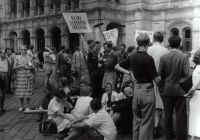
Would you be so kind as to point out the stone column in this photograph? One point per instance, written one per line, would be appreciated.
(33, 42)
(32, 7)
(65, 40)
(47, 40)
(19, 43)
(19, 9)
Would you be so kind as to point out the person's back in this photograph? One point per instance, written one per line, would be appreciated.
(82, 107)
(173, 65)
(157, 51)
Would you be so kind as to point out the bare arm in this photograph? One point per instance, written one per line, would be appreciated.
(120, 69)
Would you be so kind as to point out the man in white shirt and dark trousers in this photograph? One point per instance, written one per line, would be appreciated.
(156, 51)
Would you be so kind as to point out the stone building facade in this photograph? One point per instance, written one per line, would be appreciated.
(40, 22)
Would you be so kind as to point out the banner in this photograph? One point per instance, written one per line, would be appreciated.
(111, 35)
(77, 22)
(149, 33)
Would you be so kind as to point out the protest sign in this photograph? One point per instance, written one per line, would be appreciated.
(149, 33)
(111, 35)
(77, 22)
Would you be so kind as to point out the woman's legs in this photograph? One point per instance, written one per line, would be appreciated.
(28, 103)
(21, 104)
(192, 138)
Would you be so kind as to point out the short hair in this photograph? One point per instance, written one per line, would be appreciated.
(143, 40)
(124, 45)
(108, 83)
(158, 36)
(60, 94)
(64, 81)
(97, 42)
(130, 49)
(62, 47)
(109, 44)
(95, 104)
(31, 47)
(85, 90)
(196, 57)
(89, 42)
(174, 41)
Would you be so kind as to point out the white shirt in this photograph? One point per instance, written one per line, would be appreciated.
(82, 107)
(156, 51)
(4, 65)
(54, 107)
(103, 123)
(114, 97)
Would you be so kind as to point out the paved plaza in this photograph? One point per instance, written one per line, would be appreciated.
(15, 125)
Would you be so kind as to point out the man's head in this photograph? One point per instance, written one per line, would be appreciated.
(31, 47)
(97, 46)
(123, 47)
(95, 105)
(8, 51)
(143, 40)
(62, 48)
(158, 37)
(108, 46)
(2, 54)
(174, 41)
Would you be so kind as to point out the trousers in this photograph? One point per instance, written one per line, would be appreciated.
(179, 104)
(143, 111)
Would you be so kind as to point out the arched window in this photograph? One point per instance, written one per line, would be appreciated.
(187, 39)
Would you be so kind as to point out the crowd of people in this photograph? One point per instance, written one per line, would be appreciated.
(110, 91)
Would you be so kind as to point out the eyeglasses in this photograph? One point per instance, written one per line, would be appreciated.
(23, 49)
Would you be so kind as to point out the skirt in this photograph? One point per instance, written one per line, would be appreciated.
(24, 84)
(109, 76)
(194, 115)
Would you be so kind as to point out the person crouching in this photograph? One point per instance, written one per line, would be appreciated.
(56, 111)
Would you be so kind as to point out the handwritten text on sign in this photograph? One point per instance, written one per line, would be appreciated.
(149, 33)
(77, 22)
(111, 35)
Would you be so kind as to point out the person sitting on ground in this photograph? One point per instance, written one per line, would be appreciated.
(56, 111)
(82, 107)
(109, 96)
(98, 125)
(124, 108)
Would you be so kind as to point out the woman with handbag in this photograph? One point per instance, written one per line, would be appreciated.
(24, 78)
(194, 93)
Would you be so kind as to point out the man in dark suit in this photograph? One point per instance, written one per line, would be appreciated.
(173, 67)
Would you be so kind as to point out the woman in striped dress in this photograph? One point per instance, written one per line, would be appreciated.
(24, 78)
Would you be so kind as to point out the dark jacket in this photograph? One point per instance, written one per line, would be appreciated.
(173, 67)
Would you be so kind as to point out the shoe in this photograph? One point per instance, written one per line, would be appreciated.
(27, 109)
(21, 109)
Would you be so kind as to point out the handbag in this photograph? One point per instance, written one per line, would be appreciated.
(186, 83)
(47, 127)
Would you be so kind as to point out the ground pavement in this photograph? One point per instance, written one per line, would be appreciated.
(15, 125)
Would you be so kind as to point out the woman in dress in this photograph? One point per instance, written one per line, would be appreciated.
(24, 78)
(194, 93)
